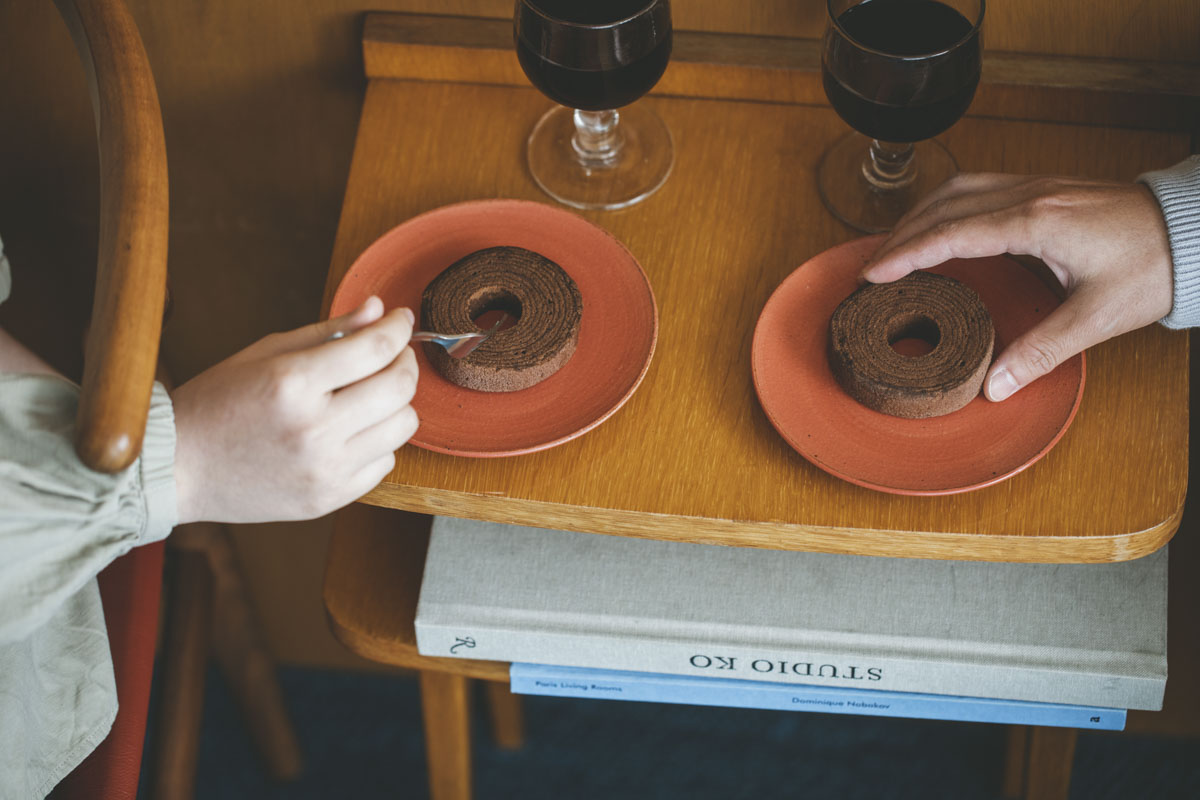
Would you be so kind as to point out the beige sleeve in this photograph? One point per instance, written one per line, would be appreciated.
(60, 522)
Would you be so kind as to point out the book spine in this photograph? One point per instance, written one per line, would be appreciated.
(538, 679)
(927, 676)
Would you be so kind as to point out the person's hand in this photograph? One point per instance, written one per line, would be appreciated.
(296, 426)
(1106, 243)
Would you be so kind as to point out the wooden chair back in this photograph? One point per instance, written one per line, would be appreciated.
(131, 273)
(121, 356)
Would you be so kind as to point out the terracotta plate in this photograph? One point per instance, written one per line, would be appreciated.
(979, 445)
(616, 338)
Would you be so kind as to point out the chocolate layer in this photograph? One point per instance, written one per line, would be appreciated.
(939, 310)
(528, 286)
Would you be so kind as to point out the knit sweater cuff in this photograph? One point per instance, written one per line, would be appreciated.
(1177, 190)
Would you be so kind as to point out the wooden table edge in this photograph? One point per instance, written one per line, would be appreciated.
(782, 536)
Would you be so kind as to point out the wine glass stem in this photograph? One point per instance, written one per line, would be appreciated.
(889, 165)
(597, 140)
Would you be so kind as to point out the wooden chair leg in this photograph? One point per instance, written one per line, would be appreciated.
(507, 715)
(1051, 755)
(243, 658)
(446, 707)
(1016, 754)
(185, 655)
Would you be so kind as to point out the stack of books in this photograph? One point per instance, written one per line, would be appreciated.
(584, 615)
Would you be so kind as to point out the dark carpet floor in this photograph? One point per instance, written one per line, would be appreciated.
(361, 736)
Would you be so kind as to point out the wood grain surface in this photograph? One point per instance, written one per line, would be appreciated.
(692, 457)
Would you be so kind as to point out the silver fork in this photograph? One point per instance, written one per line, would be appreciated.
(458, 345)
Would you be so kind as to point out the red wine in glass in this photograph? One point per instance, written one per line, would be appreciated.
(593, 69)
(899, 72)
(594, 57)
(914, 95)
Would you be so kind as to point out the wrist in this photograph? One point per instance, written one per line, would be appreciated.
(187, 468)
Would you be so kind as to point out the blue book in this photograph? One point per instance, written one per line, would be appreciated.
(648, 687)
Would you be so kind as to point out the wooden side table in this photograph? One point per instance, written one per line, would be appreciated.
(692, 457)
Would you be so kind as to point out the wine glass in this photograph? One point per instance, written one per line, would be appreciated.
(594, 57)
(899, 72)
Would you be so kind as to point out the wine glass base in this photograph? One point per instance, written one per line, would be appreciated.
(646, 157)
(862, 205)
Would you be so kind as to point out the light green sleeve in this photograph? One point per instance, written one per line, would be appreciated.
(60, 522)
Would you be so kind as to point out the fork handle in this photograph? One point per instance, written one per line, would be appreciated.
(427, 336)
(430, 336)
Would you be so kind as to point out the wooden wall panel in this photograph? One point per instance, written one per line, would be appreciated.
(1154, 30)
(1159, 30)
(1162, 30)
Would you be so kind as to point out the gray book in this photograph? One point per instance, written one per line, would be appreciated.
(1092, 634)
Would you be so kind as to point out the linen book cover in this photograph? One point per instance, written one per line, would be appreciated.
(1086, 634)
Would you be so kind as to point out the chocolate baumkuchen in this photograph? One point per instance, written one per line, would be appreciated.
(941, 311)
(532, 289)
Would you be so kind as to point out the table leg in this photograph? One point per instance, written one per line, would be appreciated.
(508, 718)
(1048, 772)
(1016, 757)
(446, 707)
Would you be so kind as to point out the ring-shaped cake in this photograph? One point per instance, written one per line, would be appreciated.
(530, 288)
(940, 311)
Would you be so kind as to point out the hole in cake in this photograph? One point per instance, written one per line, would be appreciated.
(913, 335)
(488, 307)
